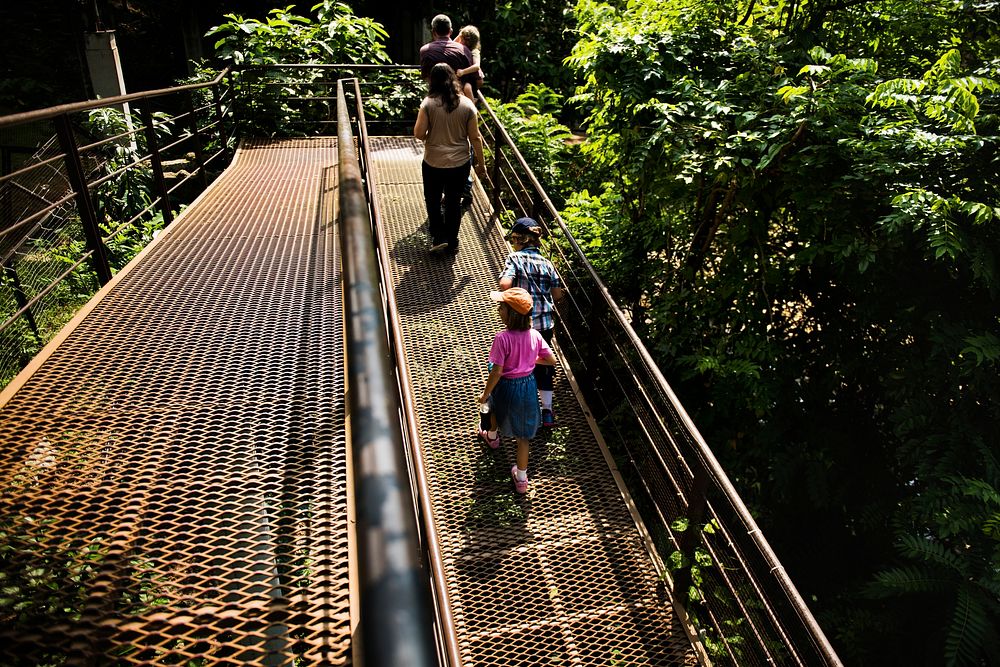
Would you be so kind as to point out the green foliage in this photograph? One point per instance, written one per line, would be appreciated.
(719, 641)
(128, 195)
(334, 36)
(798, 206)
(525, 42)
(545, 143)
(945, 575)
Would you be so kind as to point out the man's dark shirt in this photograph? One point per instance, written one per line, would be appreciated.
(446, 50)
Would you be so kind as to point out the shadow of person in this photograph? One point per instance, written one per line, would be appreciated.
(496, 517)
(426, 281)
(410, 249)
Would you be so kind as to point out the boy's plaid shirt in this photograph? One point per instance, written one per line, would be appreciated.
(528, 269)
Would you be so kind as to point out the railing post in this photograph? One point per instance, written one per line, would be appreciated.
(153, 146)
(84, 204)
(220, 121)
(497, 146)
(22, 299)
(196, 136)
(689, 540)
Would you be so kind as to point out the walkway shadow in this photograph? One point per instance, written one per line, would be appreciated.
(496, 518)
(426, 281)
(409, 249)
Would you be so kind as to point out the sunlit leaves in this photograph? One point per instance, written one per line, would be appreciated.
(812, 191)
(947, 100)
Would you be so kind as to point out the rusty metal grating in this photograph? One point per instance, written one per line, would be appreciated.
(562, 576)
(173, 474)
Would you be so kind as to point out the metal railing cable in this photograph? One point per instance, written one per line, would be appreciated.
(393, 597)
(705, 470)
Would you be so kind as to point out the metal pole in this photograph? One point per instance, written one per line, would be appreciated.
(196, 136)
(697, 503)
(396, 616)
(432, 544)
(159, 182)
(220, 121)
(74, 169)
(497, 146)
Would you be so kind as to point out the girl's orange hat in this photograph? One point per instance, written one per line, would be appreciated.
(515, 297)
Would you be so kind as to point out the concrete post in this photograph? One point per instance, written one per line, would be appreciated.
(105, 69)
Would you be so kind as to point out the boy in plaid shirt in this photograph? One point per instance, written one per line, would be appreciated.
(527, 268)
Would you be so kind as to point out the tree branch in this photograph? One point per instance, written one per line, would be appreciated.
(746, 17)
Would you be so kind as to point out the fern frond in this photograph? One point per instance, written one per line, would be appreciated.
(931, 552)
(909, 579)
(967, 632)
(896, 91)
(993, 588)
(978, 488)
(949, 63)
(992, 526)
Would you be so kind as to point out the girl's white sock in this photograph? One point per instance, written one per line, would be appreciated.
(521, 475)
(492, 435)
(546, 396)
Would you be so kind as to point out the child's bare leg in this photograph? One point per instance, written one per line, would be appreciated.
(522, 453)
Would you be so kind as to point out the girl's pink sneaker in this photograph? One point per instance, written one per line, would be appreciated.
(519, 486)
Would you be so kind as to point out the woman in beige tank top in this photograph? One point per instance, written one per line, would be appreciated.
(447, 123)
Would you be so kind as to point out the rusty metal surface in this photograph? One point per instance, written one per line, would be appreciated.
(562, 576)
(173, 474)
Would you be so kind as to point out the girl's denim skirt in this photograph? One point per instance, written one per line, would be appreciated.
(514, 401)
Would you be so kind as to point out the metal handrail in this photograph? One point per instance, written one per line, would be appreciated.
(432, 543)
(393, 598)
(73, 107)
(707, 459)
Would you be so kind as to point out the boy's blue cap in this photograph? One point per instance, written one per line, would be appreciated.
(526, 226)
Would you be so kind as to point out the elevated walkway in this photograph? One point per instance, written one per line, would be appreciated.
(178, 452)
(562, 576)
(206, 466)
(173, 480)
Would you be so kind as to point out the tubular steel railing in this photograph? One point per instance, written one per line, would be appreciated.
(394, 601)
(448, 641)
(730, 583)
(75, 202)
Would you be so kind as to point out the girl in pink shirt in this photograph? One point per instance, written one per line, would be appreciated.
(510, 389)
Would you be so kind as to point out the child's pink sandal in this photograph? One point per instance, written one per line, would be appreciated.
(519, 485)
(494, 443)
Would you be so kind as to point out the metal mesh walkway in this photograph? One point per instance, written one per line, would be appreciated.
(562, 576)
(172, 473)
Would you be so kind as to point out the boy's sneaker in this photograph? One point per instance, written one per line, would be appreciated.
(494, 443)
(548, 417)
(519, 486)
